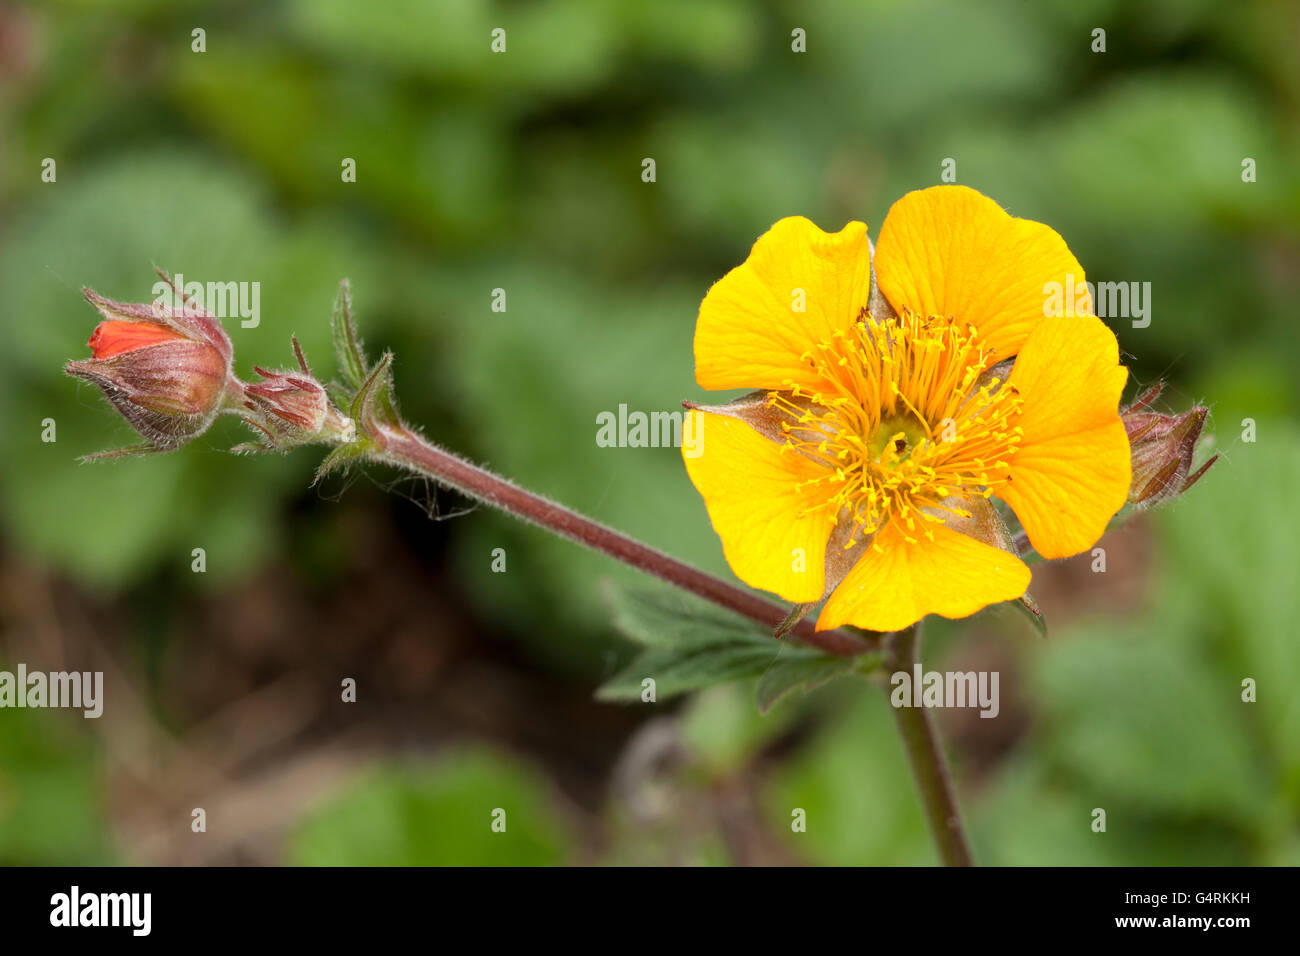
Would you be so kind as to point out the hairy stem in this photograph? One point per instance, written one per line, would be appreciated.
(924, 752)
(405, 448)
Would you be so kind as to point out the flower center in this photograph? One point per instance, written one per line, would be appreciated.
(906, 420)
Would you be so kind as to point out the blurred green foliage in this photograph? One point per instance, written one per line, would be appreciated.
(471, 808)
(52, 807)
(521, 171)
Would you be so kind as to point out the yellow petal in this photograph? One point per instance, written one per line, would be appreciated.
(894, 587)
(1072, 470)
(750, 488)
(950, 251)
(750, 332)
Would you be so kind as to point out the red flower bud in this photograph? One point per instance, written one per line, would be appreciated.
(1163, 447)
(166, 371)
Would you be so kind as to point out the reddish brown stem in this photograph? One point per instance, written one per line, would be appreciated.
(407, 449)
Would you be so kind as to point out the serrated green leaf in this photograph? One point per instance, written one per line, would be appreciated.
(692, 645)
(347, 344)
(681, 669)
(798, 674)
(664, 618)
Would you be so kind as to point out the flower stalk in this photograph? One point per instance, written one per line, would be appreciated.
(406, 448)
(925, 754)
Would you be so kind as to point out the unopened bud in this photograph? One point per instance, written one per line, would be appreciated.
(166, 371)
(1163, 447)
(292, 408)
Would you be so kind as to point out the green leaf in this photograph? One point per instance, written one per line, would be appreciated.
(801, 674)
(679, 670)
(347, 345)
(373, 391)
(667, 618)
(339, 457)
(691, 645)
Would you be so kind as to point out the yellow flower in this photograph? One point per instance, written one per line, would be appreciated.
(890, 411)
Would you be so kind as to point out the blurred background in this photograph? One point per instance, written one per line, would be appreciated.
(522, 171)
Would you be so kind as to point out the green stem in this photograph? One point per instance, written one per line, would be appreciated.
(925, 754)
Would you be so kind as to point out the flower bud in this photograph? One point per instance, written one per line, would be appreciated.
(1163, 447)
(166, 371)
(292, 408)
